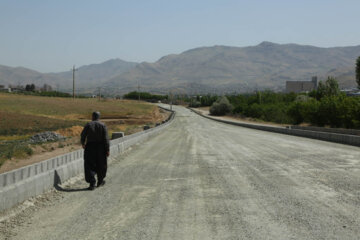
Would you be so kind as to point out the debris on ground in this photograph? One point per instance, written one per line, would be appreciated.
(46, 137)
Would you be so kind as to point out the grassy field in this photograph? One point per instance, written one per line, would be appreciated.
(69, 109)
(23, 116)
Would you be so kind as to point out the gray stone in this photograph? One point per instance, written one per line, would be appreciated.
(116, 135)
(46, 137)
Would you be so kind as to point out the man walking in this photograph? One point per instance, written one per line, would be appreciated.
(95, 141)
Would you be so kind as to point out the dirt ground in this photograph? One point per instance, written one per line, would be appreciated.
(42, 152)
(128, 125)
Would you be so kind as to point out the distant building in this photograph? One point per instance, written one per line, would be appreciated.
(301, 86)
(46, 88)
(5, 90)
(351, 92)
(16, 89)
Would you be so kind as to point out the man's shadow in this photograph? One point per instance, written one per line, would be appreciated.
(57, 182)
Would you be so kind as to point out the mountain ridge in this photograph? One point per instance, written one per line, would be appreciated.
(227, 68)
(211, 69)
(87, 77)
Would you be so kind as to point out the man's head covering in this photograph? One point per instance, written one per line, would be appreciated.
(95, 116)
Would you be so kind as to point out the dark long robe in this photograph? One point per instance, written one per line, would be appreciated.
(95, 138)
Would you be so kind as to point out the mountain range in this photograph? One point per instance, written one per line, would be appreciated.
(87, 78)
(206, 70)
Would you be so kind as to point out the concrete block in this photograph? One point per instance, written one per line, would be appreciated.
(43, 166)
(10, 178)
(53, 163)
(116, 135)
(37, 168)
(2, 180)
(17, 175)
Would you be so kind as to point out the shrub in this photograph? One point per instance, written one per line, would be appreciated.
(207, 100)
(340, 111)
(240, 108)
(275, 113)
(304, 111)
(254, 110)
(221, 107)
(194, 104)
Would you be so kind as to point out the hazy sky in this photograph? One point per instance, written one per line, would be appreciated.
(50, 35)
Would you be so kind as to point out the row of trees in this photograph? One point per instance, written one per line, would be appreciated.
(145, 96)
(30, 88)
(326, 106)
(357, 72)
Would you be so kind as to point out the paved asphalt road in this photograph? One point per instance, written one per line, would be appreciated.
(201, 179)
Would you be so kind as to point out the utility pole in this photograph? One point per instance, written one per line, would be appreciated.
(99, 94)
(73, 70)
(171, 100)
(139, 90)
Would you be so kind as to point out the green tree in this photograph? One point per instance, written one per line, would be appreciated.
(358, 72)
(332, 87)
(329, 88)
(207, 100)
(305, 111)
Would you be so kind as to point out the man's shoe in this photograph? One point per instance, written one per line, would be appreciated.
(91, 187)
(102, 183)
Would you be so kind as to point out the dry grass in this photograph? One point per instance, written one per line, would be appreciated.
(22, 116)
(69, 109)
(12, 123)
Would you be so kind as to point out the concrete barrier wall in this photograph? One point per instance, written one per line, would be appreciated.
(23, 183)
(331, 130)
(325, 136)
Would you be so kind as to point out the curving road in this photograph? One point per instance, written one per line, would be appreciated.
(201, 179)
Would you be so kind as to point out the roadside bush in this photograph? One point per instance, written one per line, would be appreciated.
(333, 111)
(340, 111)
(326, 106)
(254, 111)
(207, 100)
(221, 107)
(194, 104)
(275, 113)
(304, 111)
(240, 109)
